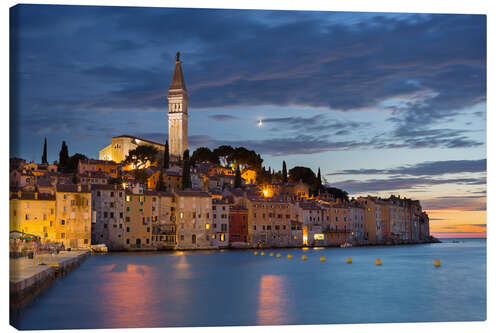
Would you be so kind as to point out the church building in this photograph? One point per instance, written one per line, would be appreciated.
(177, 97)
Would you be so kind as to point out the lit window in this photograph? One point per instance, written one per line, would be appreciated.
(207, 226)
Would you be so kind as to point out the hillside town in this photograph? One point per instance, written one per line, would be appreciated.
(145, 195)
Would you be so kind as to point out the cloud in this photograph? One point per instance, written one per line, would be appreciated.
(223, 117)
(313, 124)
(354, 186)
(430, 168)
(422, 70)
(465, 203)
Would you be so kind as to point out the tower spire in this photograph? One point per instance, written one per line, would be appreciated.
(178, 85)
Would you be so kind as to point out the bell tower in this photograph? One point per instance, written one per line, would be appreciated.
(177, 113)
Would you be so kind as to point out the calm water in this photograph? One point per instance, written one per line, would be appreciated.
(239, 288)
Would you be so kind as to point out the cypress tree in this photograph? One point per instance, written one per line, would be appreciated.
(186, 175)
(161, 185)
(63, 156)
(318, 181)
(166, 156)
(44, 155)
(284, 173)
(237, 179)
(185, 156)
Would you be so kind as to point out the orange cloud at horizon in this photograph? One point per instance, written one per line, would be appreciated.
(446, 223)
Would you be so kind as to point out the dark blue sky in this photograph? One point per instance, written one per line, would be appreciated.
(364, 96)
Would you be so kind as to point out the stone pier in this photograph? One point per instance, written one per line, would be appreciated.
(28, 277)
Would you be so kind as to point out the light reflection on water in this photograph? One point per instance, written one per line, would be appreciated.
(272, 300)
(238, 288)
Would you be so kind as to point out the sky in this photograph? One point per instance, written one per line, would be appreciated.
(383, 103)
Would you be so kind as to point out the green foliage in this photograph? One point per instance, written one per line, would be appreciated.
(284, 173)
(263, 176)
(224, 153)
(161, 184)
(246, 159)
(72, 163)
(140, 156)
(204, 154)
(166, 156)
(302, 173)
(63, 156)
(237, 179)
(185, 156)
(141, 176)
(337, 193)
(115, 181)
(44, 155)
(186, 175)
(74, 179)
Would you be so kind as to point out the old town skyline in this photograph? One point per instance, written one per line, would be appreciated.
(434, 148)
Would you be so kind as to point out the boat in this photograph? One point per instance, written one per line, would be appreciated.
(346, 244)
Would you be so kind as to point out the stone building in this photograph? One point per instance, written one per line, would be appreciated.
(193, 219)
(357, 223)
(108, 223)
(164, 229)
(269, 222)
(314, 223)
(220, 223)
(141, 211)
(238, 225)
(33, 213)
(73, 215)
(120, 146)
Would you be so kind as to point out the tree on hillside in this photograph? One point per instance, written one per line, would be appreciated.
(302, 173)
(166, 156)
(63, 156)
(141, 176)
(185, 156)
(161, 184)
(319, 185)
(284, 173)
(141, 156)
(44, 154)
(337, 193)
(204, 154)
(237, 178)
(186, 175)
(72, 164)
(224, 154)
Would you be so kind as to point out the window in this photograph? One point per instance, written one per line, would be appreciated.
(112, 194)
(128, 241)
(128, 229)
(111, 214)
(128, 209)
(254, 227)
(63, 223)
(105, 215)
(85, 241)
(207, 226)
(268, 227)
(121, 215)
(98, 194)
(277, 227)
(182, 237)
(127, 219)
(62, 235)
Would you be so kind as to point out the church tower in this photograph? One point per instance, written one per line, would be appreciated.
(177, 113)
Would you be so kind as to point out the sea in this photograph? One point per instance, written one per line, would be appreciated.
(238, 287)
